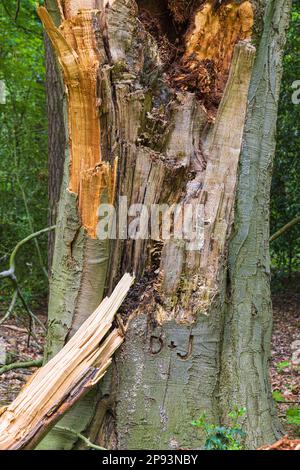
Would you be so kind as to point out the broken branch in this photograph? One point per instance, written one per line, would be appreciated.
(11, 307)
(80, 436)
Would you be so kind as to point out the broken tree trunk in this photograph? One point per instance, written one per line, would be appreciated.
(69, 375)
(183, 95)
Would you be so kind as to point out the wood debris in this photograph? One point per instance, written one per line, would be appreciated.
(54, 388)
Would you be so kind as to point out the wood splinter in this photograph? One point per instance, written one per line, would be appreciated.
(89, 177)
(54, 388)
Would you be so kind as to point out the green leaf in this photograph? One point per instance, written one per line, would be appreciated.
(214, 443)
(277, 396)
(280, 366)
(293, 416)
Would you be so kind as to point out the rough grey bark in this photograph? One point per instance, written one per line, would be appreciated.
(56, 138)
(202, 341)
(248, 324)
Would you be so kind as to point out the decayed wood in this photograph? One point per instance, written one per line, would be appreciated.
(54, 388)
(213, 35)
(214, 188)
(191, 165)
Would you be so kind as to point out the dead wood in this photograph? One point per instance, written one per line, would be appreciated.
(54, 388)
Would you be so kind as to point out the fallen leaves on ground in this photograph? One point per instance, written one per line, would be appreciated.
(283, 444)
(14, 342)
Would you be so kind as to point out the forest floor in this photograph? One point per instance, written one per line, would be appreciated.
(14, 347)
(284, 376)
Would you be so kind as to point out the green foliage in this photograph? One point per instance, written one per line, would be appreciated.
(278, 397)
(221, 437)
(293, 416)
(23, 143)
(282, 366)
(285, 198)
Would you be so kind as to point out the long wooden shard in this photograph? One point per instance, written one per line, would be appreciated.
(54, 388)
(78, 56)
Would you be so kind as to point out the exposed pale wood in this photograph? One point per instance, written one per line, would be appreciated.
(53, 389)
(71, 7)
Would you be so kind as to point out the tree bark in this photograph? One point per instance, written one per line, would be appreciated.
(194, 126)
(56, 134)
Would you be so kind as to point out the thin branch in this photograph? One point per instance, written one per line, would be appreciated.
(37, 246)
(32, 316)
(15, 328)
(284, 229)
(10, 273)
(17, 9)
(21, 365)
(11, 307)
(80, 436)
(22, 242)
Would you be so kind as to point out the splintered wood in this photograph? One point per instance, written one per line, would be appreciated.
(214, 34)
(97, 185)
(224, 146)
(214, 31)
(196, 274)
(54, 388)
(77, 53)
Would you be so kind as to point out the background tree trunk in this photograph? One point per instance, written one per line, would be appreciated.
(56, 130)
(199, 338)
(56, 140)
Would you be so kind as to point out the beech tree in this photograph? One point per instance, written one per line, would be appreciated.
(169, 102)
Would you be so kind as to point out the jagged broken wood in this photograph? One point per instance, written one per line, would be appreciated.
(54, 388)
